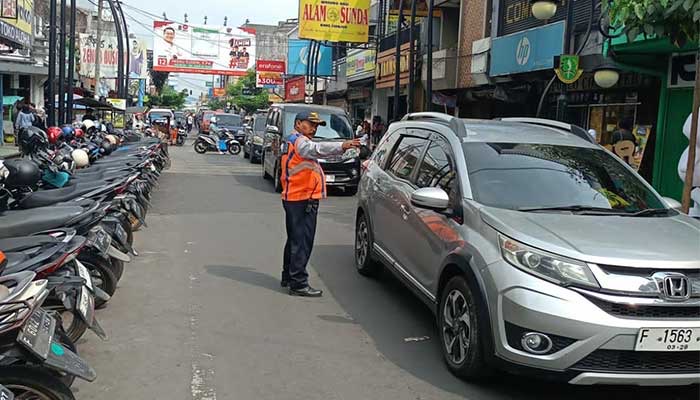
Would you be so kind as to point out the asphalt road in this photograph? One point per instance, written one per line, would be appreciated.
(199, 315)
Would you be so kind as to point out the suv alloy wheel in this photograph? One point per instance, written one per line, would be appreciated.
(364, 260)
(460, 331)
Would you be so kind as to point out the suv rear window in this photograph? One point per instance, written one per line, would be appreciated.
(518, 175)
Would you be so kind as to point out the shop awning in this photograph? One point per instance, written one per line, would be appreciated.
(10, 100)
(92, 103)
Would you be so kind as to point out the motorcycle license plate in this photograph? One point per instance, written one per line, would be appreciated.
(100, 240)
(121, 233)
(668, 339)
(5, 394)
(330, 178)
(37, 332)
(86, 305)
(85, 274)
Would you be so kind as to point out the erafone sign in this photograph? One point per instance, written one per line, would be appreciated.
(269, 73)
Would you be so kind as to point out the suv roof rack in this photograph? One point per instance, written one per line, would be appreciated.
(574, 129)
(454, 123)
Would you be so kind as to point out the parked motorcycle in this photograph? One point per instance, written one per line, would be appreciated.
(222, 140)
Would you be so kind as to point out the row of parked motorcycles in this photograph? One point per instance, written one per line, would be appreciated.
(68, 209)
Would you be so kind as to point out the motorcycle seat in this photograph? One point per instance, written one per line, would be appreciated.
(43, 198)
(22, 243)
(25, 222)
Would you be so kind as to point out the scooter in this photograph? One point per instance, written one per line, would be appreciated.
(222, 140)
(181, 136)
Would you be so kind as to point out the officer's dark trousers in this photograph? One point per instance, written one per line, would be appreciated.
(300, 218)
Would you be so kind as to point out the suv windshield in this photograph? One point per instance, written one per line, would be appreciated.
(337, 125)
(228, 120)
(531, 176)
(156, 115)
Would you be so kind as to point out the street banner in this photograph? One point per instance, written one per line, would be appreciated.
(294, 90)
(334, 20)
(16, 19)
(297, 57)
(202, 49)
(119, 104)
(219, 92)
(360, 64)
(269, 73)
(108, 59)
(138, 59)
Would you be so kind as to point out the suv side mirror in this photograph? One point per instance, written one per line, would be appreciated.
(672, 203)
(273, 130)
(431, 198)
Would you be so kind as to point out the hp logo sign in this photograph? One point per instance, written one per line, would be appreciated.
(522, 52)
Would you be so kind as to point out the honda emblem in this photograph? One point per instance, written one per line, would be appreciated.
(673, 286)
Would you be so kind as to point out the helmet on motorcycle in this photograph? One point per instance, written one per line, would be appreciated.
(79, 133)
(89, 125)
(112, 139)
(106, 147)
(67, 132)
(53, 134)
(32, 139)
(80, 158)
(21, 172)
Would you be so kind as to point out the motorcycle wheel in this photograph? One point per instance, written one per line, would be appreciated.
(72, 324)
(234, 149)
(34, 382)
(201, 147)
(102, 273)
(180, 140)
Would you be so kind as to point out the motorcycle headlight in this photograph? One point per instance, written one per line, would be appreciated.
(560, 270)
(258, 140)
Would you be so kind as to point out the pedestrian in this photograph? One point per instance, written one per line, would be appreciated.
(303, 185)
(624, 131)
(25, 118)
(377, 130)
(40, 118)
(190, 123)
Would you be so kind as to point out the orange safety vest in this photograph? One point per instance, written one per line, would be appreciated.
(302, 179)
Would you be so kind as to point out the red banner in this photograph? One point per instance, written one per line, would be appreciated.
(219, 92)
(270, 66)
(294, 90)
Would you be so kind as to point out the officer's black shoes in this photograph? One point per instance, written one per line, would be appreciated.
(306, 292)
(284, 283)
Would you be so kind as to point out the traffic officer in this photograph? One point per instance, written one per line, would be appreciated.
(303, 185)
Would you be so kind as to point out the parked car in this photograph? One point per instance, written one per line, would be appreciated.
(340, 171)
(206, 121)
(537, 249)
(160, 115)
(232, 123)
(254, 138)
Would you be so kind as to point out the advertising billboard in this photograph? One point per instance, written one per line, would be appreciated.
(294, 90)
(269, 73)
(202, 49)
(138, 59)
(360, 64)
(16, 18)
(108, 59)
(334, 20)
(298, 56)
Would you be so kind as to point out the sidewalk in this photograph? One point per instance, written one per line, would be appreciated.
(8, 151)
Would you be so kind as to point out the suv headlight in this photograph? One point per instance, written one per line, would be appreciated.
(351, 153)
(561, 270)
(257, 140)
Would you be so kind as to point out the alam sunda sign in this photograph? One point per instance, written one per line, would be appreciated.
(334, 20)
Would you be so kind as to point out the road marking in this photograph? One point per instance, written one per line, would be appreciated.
(202, 380)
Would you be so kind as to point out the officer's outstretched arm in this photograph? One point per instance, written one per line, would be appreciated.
(312, 150)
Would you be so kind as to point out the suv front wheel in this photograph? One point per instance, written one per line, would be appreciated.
(460, 331)
(364, 259)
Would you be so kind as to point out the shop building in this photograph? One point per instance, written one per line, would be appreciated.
(359, 74)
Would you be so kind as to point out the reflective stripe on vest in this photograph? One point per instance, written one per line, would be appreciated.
(302, 179)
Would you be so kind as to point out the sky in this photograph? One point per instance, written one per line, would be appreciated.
(237, 11)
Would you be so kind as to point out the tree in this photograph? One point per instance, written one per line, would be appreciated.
(249, 102)
(169, 98)
(679, 21)
(159, 78)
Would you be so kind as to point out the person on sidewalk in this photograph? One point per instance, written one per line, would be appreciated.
(303, 185)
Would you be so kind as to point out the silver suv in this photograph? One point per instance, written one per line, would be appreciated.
(535, 248)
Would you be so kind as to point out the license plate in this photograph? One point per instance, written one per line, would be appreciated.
(121, 233)
(100, 240)
(37, 332)
(85, 274)
(5, 394)
(86, 305)
(330, 178)
(668, 339)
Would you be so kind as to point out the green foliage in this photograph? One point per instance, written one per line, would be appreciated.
(679, 20)
(216, 104)
(169, 98)
(257, 100)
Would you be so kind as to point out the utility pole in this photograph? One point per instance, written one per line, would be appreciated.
(62, 67)
(98, 47)
(52, 63)
(71, 62)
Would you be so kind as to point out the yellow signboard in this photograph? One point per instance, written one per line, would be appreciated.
(334, 20)
(16, 18)
(359, 62)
